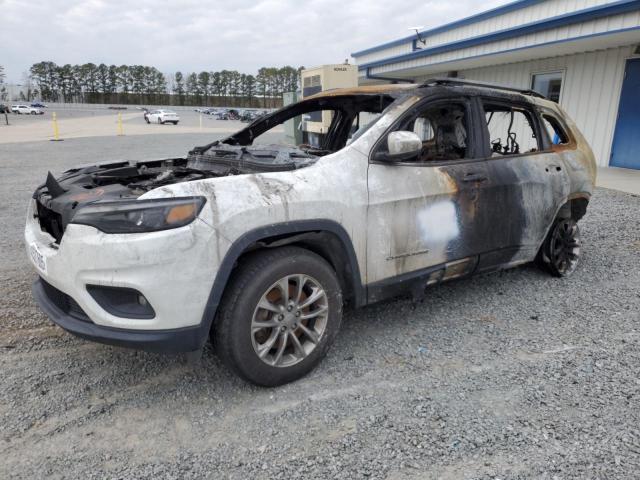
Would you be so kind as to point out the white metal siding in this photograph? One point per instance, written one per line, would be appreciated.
(386, 53)
(601, 25)
(540, 11)
(590, 89)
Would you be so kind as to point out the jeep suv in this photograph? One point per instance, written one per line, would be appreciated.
(257, 242)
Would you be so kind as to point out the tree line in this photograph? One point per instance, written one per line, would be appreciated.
(3, 89)
(144, 85)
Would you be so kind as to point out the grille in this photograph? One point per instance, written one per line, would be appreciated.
(50, 222)
(64, 302)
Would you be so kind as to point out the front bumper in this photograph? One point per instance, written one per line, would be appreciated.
(176, 340)
(173, 269)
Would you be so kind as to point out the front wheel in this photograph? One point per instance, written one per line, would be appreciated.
(160, 122)
(560, 252)
(279, 315)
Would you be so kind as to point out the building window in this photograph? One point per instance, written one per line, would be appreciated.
(548, 84)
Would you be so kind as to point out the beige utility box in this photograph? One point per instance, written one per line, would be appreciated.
(319, 79)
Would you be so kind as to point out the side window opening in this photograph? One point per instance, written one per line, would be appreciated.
(424, 129)
(511, 130)
(442, 128)
(557, 134)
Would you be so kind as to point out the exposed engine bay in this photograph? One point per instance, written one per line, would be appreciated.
(58, 199)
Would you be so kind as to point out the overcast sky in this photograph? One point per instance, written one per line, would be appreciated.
(196, 35)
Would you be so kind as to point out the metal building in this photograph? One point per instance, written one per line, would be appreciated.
(585, 54)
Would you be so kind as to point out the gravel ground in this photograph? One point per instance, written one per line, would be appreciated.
(509, 375)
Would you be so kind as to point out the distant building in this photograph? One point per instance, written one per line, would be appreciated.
(314, 80)
(584, 54)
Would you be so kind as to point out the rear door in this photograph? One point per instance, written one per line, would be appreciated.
(527, 183)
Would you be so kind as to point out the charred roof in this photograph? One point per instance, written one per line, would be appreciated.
(471, 87)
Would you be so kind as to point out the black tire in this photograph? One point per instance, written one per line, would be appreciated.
(175, 123)
(160, 122)
(255, 276)
(146, 120)
(560, 251)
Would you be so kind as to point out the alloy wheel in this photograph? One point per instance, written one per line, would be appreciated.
(565, 246)
(289, 320)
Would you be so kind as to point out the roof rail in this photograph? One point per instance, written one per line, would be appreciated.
(470, 83)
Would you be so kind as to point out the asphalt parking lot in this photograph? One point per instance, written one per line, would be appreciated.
(511, 375)
(61, 113)
(82, 122)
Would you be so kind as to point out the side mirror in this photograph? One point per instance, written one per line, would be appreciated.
(402, 146)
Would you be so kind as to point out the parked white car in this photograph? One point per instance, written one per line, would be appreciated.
(25, 109)
(162, 116)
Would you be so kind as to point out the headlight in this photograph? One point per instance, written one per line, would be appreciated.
(140, 215)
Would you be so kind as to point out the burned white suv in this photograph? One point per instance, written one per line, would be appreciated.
(258, 245)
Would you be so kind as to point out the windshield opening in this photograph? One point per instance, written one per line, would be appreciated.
(313, 127)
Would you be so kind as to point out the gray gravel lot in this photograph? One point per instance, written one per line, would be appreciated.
(509, 375)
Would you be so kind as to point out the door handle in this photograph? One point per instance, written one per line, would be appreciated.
(474, 177)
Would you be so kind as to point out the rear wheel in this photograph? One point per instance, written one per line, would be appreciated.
(279, 315)
(175, 123)
(560, 252)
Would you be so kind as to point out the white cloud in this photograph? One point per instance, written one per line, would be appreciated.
(194, 35)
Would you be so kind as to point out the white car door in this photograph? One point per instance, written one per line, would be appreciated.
(418, 220)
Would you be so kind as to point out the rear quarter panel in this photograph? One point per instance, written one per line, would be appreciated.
(578, 156)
